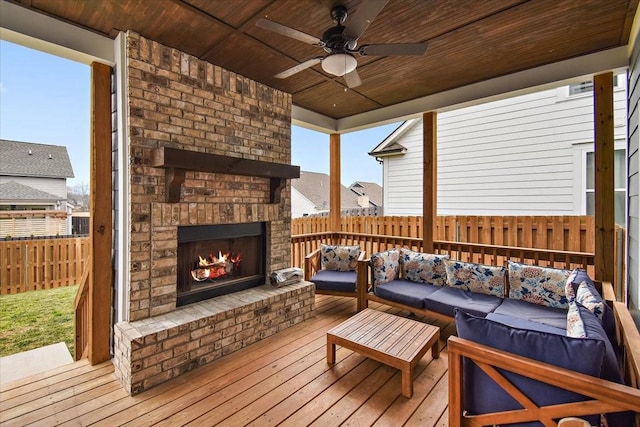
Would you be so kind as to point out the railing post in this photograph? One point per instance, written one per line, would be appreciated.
(429, 179)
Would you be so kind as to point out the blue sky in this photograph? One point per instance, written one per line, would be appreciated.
(45, 99)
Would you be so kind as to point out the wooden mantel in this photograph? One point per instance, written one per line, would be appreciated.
(178, 161)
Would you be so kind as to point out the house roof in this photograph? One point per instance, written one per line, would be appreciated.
(36, 160)
(508, 45)
(371, 189)
(14, 192)
(315, 187)
(389, 146)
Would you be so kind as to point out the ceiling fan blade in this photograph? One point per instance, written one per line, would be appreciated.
(296, 69)
(352, 79)
(362, 17)
(393, 49)
(288, 31)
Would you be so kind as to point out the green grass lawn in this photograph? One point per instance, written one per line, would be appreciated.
(34, 319)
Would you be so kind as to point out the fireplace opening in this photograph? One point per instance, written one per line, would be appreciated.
(218, 259)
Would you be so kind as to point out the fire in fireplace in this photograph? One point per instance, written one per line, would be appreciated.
(218, 259)
(216, 267)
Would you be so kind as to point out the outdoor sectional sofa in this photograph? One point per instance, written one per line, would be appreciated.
(546, 314)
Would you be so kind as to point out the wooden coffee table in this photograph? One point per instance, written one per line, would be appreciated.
(395, 341)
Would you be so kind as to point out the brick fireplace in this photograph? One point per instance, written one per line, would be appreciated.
(212, 149)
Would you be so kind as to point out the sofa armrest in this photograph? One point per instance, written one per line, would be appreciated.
(311, 264)
(608, 294)
(629, 338)
(607, 396)
(363, 283)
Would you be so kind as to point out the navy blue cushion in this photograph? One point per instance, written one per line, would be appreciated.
(578, 276)
(593, 329)
(517, 322)
(405, 292)
(446, 299)
(610, 367)
(482, 394)
(330, 280)
(556, 317)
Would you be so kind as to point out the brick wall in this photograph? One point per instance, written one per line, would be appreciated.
(148, 352)
(180, 101)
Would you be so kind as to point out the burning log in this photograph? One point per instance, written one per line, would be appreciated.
(213, 267)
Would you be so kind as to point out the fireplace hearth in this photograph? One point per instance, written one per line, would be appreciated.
(215, 260)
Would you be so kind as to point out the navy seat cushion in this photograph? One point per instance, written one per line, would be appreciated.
(446, 299)
(330, 280)
(482, 394)
(556, 317)
(517, 322)
(405, 292)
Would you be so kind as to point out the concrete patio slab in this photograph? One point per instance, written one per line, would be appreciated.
(27, 363)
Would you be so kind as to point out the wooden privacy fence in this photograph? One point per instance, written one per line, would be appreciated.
(35, 264)
(563, 233)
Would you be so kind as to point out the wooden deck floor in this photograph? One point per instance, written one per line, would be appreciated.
(282, 380)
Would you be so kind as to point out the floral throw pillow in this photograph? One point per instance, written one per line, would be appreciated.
(576, 277)
(339, 258)
(575, 325)
(423, 268)
(485, 279)
(385, 266)
(588, 297)
(538, 285)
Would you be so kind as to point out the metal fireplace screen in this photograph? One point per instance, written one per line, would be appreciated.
(214, 260)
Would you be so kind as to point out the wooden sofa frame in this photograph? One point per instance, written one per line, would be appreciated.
(606, 396)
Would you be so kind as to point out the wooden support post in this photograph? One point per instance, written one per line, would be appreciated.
(604, 178)
(334, 182)
(429, 180)
(100, 270)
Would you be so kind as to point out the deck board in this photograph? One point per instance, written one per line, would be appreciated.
(282, 380)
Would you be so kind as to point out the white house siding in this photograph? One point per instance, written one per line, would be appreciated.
(55, 186)
(518, 156)
(300, 205)
(633, 188)
(402, 178)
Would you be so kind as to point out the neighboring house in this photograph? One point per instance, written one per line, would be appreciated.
(369, 193)
(310, 194)
(526, 155)
(33, 177)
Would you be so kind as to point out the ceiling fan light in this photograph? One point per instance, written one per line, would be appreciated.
(339, 64)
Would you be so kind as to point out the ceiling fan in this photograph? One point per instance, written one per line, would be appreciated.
(341, 42)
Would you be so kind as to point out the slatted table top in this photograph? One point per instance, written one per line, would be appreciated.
(393, 335)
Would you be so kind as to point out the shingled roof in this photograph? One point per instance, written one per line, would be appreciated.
(315, 187)
(13, 192)
(371, 189)
(30, 159)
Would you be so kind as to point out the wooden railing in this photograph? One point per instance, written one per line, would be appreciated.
(557, 241)
(35, 264)
(81, 308)
(564, 233)
(470, 252)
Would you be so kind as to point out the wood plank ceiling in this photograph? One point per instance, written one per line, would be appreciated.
(469, 41)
